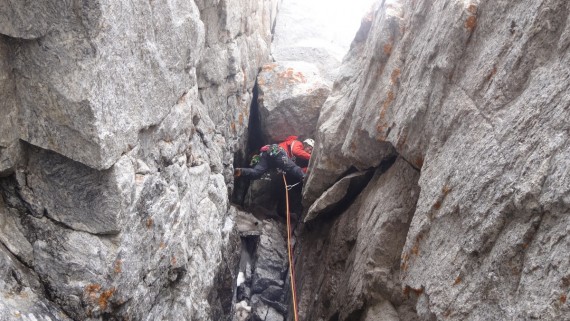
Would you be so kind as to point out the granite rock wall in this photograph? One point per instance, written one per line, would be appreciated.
(472, 95)
(120, 120)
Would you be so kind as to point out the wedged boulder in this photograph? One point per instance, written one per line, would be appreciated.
(337, 193)
(351, 262)
(290, 97)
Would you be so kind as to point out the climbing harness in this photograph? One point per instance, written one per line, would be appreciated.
(290, 251)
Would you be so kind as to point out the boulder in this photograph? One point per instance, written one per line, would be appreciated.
(290, 98)
(347, 186)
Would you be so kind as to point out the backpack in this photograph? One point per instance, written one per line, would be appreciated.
(273, 150)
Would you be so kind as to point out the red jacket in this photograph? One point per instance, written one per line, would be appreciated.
(293, 147)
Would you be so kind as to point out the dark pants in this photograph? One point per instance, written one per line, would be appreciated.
(267, 162)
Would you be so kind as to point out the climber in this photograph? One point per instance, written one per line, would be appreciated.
(298, 152)
(277, 156)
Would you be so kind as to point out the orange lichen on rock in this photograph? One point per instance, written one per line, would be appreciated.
(444, 191)
(457, 280)
(395, 75)
(419, 162)
(118, 266)
(492, 73)
(104, 298)
(92, 289)
(149, 223)
(471, 23)
(268, 67)
(353, 146)
(416, 247)
(292, 76)
(389, 99)
(388, 48)
(240, 118)
(382, 126)
(437, 205)
(408, 290)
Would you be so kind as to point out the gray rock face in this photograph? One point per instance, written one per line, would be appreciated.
(172, 214)
(23, 299)
(76, 195)
(290, 98)
(79, 87)
(351, 263)
(9, 145)
(472, 94)
(336, 194)
(115, 155)
(271, 258)
(263, 287)
(31, 19)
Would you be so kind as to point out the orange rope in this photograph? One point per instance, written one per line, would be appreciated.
(290, 252)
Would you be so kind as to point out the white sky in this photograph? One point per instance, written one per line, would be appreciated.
(341, 16)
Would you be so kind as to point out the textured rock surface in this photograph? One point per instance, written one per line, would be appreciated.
(351, 264)
(24, 298)
(340, 191)
(9, 145)
(80, 87)
(290, 98)
(262, 278)
(473, 94)
(116, 144)
(172, 214)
